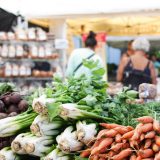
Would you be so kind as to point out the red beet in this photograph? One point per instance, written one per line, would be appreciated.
(12, 108)
(2, 106)
(15, 98)
(6, 100)
(23, 105)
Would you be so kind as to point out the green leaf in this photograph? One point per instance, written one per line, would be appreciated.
(90, 64)
(99, 72)
(54, 110)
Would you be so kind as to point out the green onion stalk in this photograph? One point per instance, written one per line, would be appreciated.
(56, 154)
(39, 104)
(39, 146)
(7, 154)
(68, 142)
(12, 125)
(86, 132)
(19, 142)
(73, 111)
(42, 126)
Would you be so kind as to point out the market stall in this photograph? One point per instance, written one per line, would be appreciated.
(63, 124)
(76, 118)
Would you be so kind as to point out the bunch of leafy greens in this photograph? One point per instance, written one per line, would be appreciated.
(126, 114)
(81, 90)
(89, 92)
(6, 87)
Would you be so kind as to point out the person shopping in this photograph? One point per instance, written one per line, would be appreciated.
(75, 64)
(137, 69)
(129, 51)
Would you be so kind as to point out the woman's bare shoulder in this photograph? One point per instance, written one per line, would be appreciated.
(125, 60)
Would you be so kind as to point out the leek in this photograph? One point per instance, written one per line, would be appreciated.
(73, 111)
(86, 132)
(68, 142)
(39, 104)
(39, 146)
(18, 143)
(7, 154)
(56, 154)
(41, 126)
(11, 125)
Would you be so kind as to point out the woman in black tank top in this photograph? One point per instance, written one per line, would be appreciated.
(134, 77)
(137, 68)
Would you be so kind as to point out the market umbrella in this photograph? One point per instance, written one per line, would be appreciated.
(6, 20)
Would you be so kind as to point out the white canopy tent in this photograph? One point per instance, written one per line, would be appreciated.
(74, 8)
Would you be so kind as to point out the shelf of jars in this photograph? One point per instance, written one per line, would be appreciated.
(21, 51)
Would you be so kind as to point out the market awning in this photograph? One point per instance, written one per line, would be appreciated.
(6, 20)
(74, 8)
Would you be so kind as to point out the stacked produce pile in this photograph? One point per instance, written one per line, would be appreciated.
(11, 104)
(119, 142)
(66, 116)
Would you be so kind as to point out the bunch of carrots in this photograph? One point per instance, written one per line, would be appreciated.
(117, 142)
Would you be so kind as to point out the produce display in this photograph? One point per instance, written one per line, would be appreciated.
(76, 119)
(11, 104)
(120, 142)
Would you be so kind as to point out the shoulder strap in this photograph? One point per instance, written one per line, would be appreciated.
(82, 63)
(148, 64)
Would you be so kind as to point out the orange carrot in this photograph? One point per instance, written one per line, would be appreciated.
(118, 138)
(111, 153)
(133, 144)
(147, 127)
(157, 140)
(148, 159)
(125, 145)
(155, 147)
(147, 153)
(101, 133)
(102, 155)
(139, 158)
(114, 143)
(104, 144)
(142, 137)
(157, 156)
(109, 134)
(123, 154)
(102, 158)
(96, 157)
(156, 126)
(150, 134)
(124, 140)
(145, 119)
(148, 143)
(94, 151)
(133, 157)
(97, 142)
(136, 135)
(128, 135)
(130, 128)
(109, 126)
(137, 132)
(85, 153)
(122, 129)
(117, 147)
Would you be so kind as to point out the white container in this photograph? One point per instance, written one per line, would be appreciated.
(8, 70)
(19, 51)
(15, 70)
(22, 70)
(12, 51)
(4, 52)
